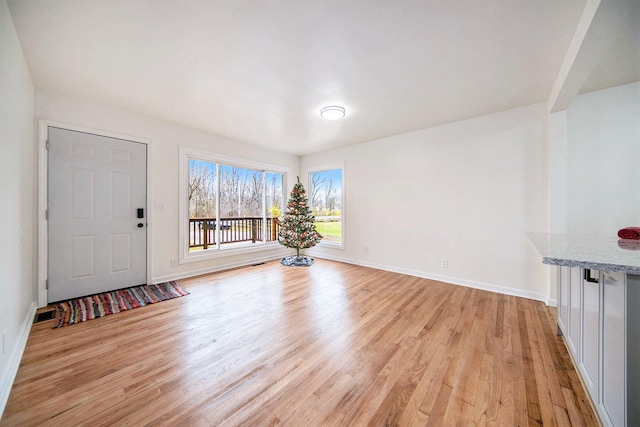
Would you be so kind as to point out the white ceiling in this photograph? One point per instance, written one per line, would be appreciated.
(259, 71)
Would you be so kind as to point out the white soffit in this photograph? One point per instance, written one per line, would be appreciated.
(604, 52)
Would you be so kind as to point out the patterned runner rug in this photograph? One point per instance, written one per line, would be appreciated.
(90, 307)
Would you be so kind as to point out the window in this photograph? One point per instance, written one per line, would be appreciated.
(227, 204)
(327, 202)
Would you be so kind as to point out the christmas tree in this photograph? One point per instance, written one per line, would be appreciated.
(298, 230)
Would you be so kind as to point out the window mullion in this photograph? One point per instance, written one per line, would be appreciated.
(217, 231)
(264, 206)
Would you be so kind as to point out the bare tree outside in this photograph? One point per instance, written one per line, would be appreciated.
(241, 192)
(202, 189)
(317, 183)
(326, 203)
(330, 197)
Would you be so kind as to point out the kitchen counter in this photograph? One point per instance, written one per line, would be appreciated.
(598, 315)
(592, 252)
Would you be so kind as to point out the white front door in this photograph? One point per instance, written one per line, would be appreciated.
(97, 210)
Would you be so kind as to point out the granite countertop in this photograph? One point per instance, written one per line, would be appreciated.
(594, 252)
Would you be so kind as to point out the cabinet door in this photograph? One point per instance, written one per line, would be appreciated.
(590, 362)
(563, 296)
(633, 349)
(613, 399)
(575, 299)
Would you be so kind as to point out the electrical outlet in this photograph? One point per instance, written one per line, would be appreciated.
(444, 263)
(174, 263)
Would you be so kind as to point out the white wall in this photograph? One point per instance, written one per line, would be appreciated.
(164, 141)
(466, 192)
(17, 214)
(603, 177)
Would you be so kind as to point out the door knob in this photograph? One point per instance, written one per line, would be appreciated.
(140, 225)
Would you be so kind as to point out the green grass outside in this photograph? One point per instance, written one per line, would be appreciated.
(331, 231)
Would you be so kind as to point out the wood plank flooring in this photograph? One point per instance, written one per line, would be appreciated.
(333, 345)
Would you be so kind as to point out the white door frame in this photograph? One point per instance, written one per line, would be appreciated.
(43, 177)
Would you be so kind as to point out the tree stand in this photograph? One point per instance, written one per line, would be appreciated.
(296, 261)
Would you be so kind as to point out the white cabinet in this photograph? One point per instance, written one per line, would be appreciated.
(563, 300)
(590, 355)
(570, 306)
(613, 346)
(621, 349)
(633, 349)
(599, 315)
(575, 302)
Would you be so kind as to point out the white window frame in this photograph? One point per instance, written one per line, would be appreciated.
(186, 153)
(321, 168)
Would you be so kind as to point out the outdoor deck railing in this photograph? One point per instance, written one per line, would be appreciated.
(202, 231)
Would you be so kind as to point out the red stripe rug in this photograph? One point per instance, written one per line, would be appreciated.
(93, 306)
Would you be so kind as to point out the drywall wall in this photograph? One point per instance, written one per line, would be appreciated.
(164, 141)
(17, 216)
(465, 192)
(603, 148)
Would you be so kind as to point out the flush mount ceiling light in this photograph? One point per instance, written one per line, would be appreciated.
(332, 112)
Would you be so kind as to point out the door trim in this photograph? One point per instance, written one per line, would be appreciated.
(43, 176)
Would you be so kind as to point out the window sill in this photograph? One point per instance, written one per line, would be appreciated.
(205, 255)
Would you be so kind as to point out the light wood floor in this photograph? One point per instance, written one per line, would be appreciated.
(332, 344)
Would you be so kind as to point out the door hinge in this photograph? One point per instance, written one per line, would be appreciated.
(46, 214)
(46, 284)
(47, 144)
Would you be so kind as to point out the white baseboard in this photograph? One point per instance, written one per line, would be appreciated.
(9, 374)
(453, 280)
